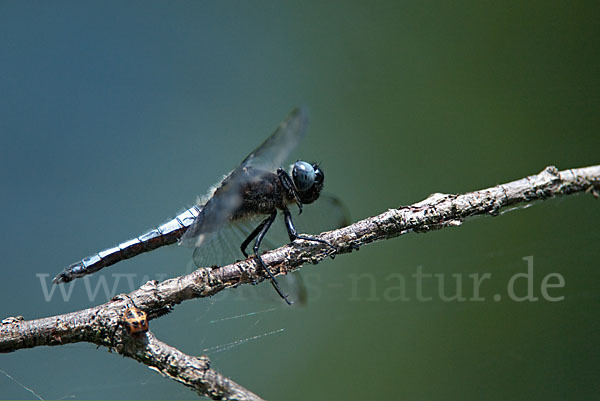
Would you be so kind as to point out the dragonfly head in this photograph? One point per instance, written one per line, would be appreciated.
(308, 180)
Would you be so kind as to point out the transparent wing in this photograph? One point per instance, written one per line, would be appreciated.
(274, 151)
(327, 213)
(223, 247)
(227, 198)
(217, 210)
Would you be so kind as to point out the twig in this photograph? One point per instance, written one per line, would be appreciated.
(194, 372)
(101, 324)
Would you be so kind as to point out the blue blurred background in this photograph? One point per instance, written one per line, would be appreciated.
(116, 115)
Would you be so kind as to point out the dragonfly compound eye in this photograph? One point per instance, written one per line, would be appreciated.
(303, 175)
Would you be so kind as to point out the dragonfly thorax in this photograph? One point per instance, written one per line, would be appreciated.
(263, 194)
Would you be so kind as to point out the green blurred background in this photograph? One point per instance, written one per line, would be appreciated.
(114, 116)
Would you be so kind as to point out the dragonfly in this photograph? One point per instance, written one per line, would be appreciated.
(258, 190)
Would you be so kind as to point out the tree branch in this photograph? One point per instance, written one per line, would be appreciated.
(102, 324)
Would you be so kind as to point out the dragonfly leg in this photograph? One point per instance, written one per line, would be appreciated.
(293, 234)
(253, 235)
(264, 227)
